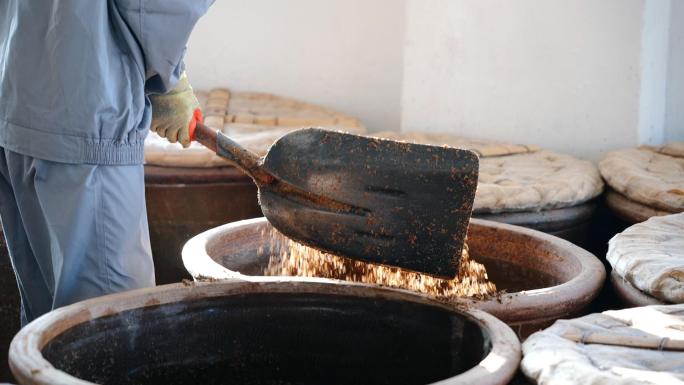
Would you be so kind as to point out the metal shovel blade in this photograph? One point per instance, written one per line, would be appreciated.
(380, 201)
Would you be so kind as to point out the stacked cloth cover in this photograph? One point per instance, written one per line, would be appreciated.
(650, 177)
(650, 257)
(520, 178)
(255, 120)
(558, 355)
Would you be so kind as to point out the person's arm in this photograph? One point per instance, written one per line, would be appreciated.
(161, 28)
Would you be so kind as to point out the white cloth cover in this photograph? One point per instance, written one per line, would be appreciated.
(650, 256)
(647, 176)
(537, 181)
(551, 359)
(673, 149)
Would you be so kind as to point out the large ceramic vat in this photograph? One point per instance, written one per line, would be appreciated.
(571, 223)
(545, 277)
(629, 211)
(265, 331)
(182, 202)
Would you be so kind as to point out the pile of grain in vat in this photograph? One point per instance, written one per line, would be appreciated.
(291, 259)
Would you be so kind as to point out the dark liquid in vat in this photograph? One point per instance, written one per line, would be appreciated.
(272, 339)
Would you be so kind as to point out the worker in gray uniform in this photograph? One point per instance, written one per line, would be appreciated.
(81, 83)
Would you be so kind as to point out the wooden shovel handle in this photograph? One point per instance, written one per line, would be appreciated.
(205, 135)
(640, 342)
(230, 150)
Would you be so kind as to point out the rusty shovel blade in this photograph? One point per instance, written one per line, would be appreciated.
(380, 201)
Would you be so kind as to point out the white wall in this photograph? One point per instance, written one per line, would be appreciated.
(655, 47)
(674, 123)
(562, 74)
(345, 54)
(577, 76)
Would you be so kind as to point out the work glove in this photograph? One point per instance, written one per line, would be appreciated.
(176, 113)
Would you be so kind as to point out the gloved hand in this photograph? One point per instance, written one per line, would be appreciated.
(176, 113)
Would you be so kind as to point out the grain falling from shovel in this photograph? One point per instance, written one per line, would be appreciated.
(291, 259)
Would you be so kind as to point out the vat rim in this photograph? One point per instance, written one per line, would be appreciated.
(583, 288)
(31, 368)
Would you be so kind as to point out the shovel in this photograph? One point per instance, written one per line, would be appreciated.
(380, 201)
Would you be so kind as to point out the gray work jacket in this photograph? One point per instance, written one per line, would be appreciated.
(75, 74)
